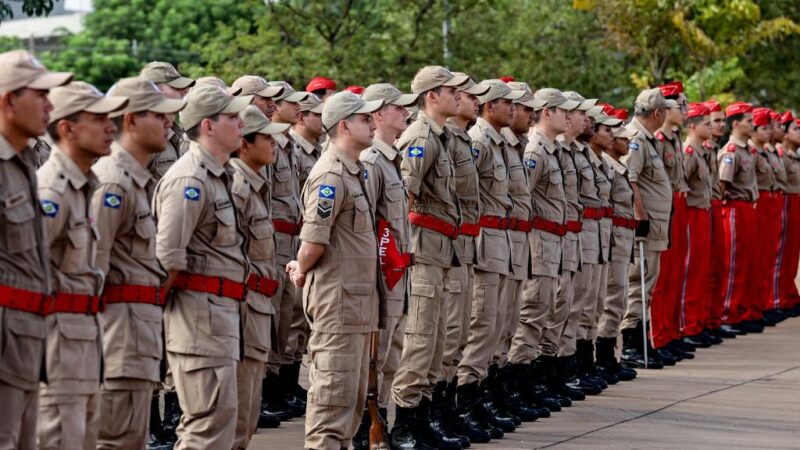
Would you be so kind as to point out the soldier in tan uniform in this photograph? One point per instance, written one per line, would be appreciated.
(652, 202)
(263, 93)
(132, 321)
(69, 411)
(25, 276)
(250, 191)
(201, 245)
(787, 289)
(387, 194)
(435, 218)
(337, 266)
(215, 81)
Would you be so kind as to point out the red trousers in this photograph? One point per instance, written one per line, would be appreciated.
(769, 223)
(716, 304)
(788, 253)
(695, 293)
(665, 305)
(735, 263)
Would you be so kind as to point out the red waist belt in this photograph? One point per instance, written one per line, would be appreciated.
(75, 303)
(470, 229)
(286, 227)
(211, 285)
(608, 211)
(593, 213)
(24, 300)
(432, 223)
(549, 226)
(262, 285)
(129, 293)
(574, 226)
(496, 222)
(623, 222)
(520, 225)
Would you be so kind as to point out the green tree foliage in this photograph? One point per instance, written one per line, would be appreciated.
(29, 8)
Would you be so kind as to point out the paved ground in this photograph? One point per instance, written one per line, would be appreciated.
(744, 393)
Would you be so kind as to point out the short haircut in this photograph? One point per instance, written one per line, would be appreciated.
(194, 133)
(694, 120)
(250, 137)
(52, 129)
(421, 98)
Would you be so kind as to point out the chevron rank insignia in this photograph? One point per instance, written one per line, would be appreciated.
(191, 193)
(49, 209)
(416, 152)
(327, 196)
(112, 201)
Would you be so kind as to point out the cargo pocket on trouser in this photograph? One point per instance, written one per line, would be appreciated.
(147, 322)
(116, 409)
(23, 343)
(202, 388)
(334, 380)
(357, 307)
(421, 306)
(77, 351)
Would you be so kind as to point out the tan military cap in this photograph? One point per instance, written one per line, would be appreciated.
(498, 89)
(471, 87)
(625, 132)
(79, 96)
(555, 99)
(527, 99)
(255, 85)
(256, 122)
(164, 72)
(672, 103)
(584, 103)
(311, 104)
(289, 94)
(342, 105)
(608, 120)
(595, 112)
(389, 94)
(19, 69)
(208, 100)
(143, 95)
(214, 81)
(431, 77)
(650, 99)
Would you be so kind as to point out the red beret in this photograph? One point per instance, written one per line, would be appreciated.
(320, 83)
(608, 109)
(774, 115)
(786, 117)
(713, 106)
(761, 117)
(621, 114)
(697, 110)
(797, 121)
(506, 79)
(355, 89)
(738, 108)
(671, 89)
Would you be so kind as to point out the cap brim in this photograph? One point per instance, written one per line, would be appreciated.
(107, 105)
(626, 133)
(49, 80)
(274, 128)
(670, 103)
(234, 90)
(369, 107)
(181, 83)
(595, 112)
(568, 105)
(456, 81)
(477, 90)
(405, 100)
(168, 106)
(587, 104)
(296, 97)
(237, 105)
(317, 109)
(610, 122)
(534, 103)
(514, 95)
(271, 91)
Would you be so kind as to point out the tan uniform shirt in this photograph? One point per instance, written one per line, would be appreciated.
(198, 233)
(24, 264)
(250, 192)
(307, 154)
(765, 175)
(177, 145)
(546, 184)
(427, 169)
(384, 187)
(126, 252)
(286, 197)
(671, 152)
(737, 167)
(792, 164)
(778, 168)
(340, 294)
(646, 169)
(65, 193)
(469, 199)
(622, 201)
(589, 197)
(699, 176)
(493, 246)
(603, 176)
(571, 253)
(42, 149)
(711, 152)
(520, 193)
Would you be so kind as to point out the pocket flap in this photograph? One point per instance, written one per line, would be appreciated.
(146, 228)
(335, 361)
(359, 288)
(78, 332)
(499, 173)
(394, 194)
(225, 216)
(20, 214)
(78, 236)
(361, 204)
(423, 290)
(147, 313)
(262, 229)
(455, 286)
(33, 327)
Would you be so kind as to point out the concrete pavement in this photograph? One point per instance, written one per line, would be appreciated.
(743, 394)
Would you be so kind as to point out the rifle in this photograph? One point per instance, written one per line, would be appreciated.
(377, 429)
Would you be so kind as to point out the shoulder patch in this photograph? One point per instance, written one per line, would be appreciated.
(49, 208)
(475, 152)
(633, 146)
(689, 149)
(730, 147)
(417, 151)
(191, 193)
(728, 160)
(113, 201)
(327, 191)
(327, 195)
(660, 136)
(530, 163)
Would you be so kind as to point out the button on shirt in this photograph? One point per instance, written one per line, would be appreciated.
(286, 205)
(466, 174)
(520, 194)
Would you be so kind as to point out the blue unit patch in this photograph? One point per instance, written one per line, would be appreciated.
(326, 191)
(366, 174)
(49, 209)
(531, 163)
(475, 153)
(112, 201)
(191, 193)
(416, 152)
(633, 146)
(727, 160)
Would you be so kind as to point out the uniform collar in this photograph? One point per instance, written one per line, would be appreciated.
(346, 160)
(510, 137)
(69, 169)
(256, 179)
(636, 125)
(307, 147)
(140, 175)
(385, 149)
(489, 130)
(281, 139)
(616, 165)
(548, 145)
(423, 116)
(739, 143)
(456, 130)
(752, 143)
(206, 159)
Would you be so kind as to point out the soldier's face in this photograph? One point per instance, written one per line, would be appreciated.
(28, 110)
(621, 146)
(361, 129)
(762, 133)
(262, 150)
(265, 104)
(674, 116)
(393, 117)
(703, 129)
(448, 101)
(793, 135)
(523, 119)
(777, 132)
(717, 124)
(559, 119)
(92, 134)
(226, 132)
(504, 110)
(286, 112)
(577, 120)
(312, 122)
(151, 130)
(603, 137)
(745, 126)
(468, 107)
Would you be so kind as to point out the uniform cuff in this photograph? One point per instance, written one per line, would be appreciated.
(317, 234)
(173, 259)
(414, 184)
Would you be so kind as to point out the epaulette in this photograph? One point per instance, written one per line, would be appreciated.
(109, 173)
(730, 148)
(419, 129)
(753, 150)
(660, 136)
(57, 180)
(370, 156)
(240, 186)
(689, 149)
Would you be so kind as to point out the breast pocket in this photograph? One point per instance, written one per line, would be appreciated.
(555, 184)
(361, 217)
(262, 246)
(500, 181)
(394, 202)
(226, 227)
(587, 186)
(444, 171)
(282, 185)
(18, 230)
(657, 172)
(76, 252)
(143, 245)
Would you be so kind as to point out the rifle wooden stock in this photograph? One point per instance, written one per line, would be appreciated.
(377, 428)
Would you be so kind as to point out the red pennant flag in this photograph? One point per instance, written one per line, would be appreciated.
(391, 259)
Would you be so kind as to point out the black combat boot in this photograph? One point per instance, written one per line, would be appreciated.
(495, 415)
(544, 375)
(405, 434)
(710, 338)
(605, 360)
(272, 406)
(294, 382)
(522, 378)
(172, 417)
(441, 412)
(470, 422)
(361, 439)
(586, 369)
(677, 351)
(288, 384)
(506, 397)
(568, 374)
(633, 350)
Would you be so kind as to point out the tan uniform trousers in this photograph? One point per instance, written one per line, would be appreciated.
(538, 300)
(287, 296)
(208, 400)
(553, 336)
(249, 374)
(507, 319)
(338, 388)
(459, 307)
(125, 412)
(390, 348)
(298, 332)
(68, 422)
(483, 327)
(587, 326)
(423, 348)
(585, 285)
(615, 300)
(18, 417)
(652, 266)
